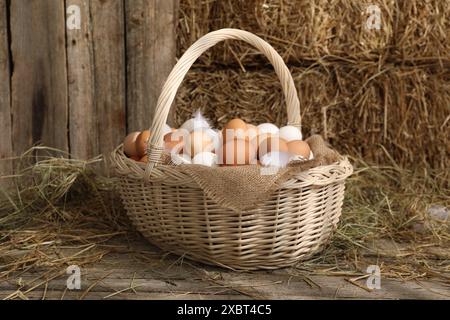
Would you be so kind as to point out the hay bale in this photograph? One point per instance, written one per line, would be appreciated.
(422, 31)
(361, 88)
(306, 30)
(361, 109)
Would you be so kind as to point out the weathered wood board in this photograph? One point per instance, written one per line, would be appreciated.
(109, 72)
(39, 77)
(76, 75)
(151, 50)
(84, 140)
(154, 275)
(5, 101)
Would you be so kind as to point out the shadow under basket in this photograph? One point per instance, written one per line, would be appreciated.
(174, 213)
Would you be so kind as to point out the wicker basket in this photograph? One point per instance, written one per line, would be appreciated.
(173, 212)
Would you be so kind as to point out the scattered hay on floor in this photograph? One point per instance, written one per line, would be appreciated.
(56, 203)
(386, 222)
(61, 205)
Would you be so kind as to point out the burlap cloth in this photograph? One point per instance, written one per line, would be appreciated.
(245, 187)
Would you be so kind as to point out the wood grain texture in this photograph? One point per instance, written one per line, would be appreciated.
(108, 29)
(39, 79)
(151, 274)
(83, 129)
(151, 50)
(5, 101)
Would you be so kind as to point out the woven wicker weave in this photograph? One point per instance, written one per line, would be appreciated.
(173, 212)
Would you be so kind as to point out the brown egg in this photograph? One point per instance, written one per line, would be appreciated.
(235, 128)
(237, 152)
(175, 140)
(129, 144)
(144, 159)
(271, 144)
(199, 141)
(141, 143)
(299, 148)
(135, 158)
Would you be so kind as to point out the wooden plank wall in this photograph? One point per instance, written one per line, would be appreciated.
(39, 78)
(81, 89)
(147, 49)
(5, 94)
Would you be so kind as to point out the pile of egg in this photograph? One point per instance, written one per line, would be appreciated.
(238, 143)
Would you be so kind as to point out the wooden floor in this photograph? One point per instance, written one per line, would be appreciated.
(153, 275)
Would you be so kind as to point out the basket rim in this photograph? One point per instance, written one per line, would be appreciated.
(169, 174)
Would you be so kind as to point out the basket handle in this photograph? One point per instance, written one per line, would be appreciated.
(170, 88)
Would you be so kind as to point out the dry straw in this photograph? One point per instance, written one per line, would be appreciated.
(55, 203)
(365, 90)
(411, 31)
(361, 109)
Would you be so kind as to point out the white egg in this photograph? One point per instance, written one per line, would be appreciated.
(178, 159)
(166, 129)
(275, 159)
(290, 133)
(205, 158)
(197, 122)
(268, 128)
